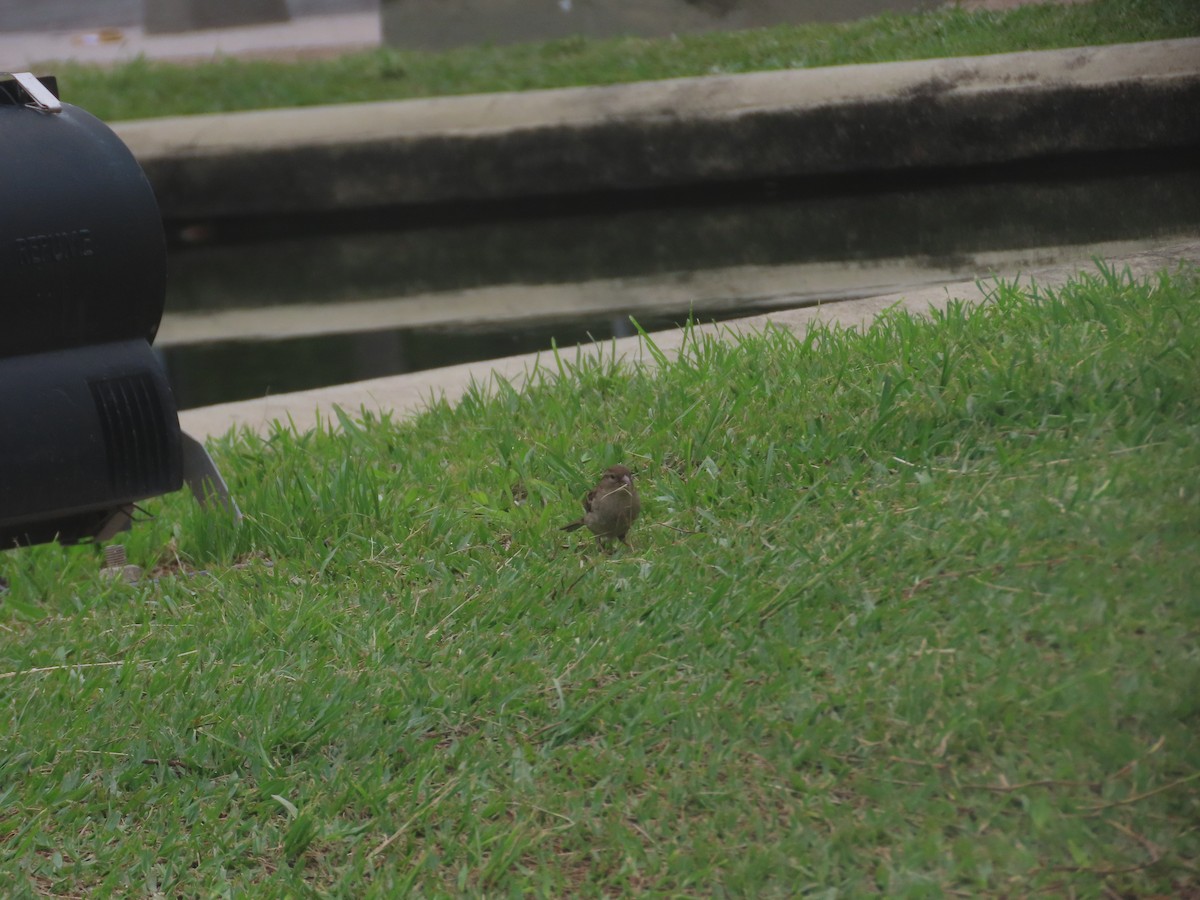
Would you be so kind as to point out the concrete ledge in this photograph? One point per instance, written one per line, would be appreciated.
(409, 394)
(651, 135)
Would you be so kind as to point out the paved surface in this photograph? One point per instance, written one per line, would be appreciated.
(75, 15)
(64, 15)
(303, 37)
(409, 394)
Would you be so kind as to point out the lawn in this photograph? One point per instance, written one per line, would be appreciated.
(910, 611)
(142, 88)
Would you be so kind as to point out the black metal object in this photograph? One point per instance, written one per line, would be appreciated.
(88, 425)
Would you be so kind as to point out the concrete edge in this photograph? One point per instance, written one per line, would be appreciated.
(673, 98)
(409, 394)
(649, 135)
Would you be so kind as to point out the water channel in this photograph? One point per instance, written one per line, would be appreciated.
(265, 307)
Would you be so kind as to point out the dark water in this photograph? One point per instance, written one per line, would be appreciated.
(274, 306)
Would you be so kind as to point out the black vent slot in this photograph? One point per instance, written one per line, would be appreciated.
(135, 434)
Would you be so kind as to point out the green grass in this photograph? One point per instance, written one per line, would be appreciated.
(143, 89)
(912, 611)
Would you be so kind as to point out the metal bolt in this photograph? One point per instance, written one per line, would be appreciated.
(115, 567)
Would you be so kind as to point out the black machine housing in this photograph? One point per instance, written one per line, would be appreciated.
(88, 424)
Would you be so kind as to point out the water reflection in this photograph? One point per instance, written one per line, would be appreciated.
(406, 290)
(213, 373)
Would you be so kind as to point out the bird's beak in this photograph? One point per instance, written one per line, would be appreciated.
(627, 480)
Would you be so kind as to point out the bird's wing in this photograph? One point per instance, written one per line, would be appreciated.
(589, 498)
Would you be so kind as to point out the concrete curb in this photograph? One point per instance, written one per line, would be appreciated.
(663, 134)
(405, 395)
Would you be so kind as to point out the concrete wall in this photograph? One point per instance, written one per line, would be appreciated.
(669, 134)
(168, 16)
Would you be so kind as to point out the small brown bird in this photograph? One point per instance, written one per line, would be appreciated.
(610, 507)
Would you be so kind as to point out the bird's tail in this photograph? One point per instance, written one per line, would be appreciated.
(573, 526)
